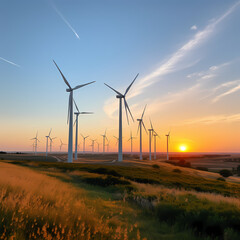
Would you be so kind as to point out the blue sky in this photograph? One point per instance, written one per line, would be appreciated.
(186, 54)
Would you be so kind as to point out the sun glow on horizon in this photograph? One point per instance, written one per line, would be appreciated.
(182, 148)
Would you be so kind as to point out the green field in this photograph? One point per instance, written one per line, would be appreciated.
(54, 200)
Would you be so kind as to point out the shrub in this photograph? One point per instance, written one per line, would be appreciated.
(202, 168)
(155, 166)
(225, 173)
(176, 170)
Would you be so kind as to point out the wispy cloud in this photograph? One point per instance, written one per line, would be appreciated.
(7, 61)
(174, 63)
(194, 27)
(65, 20)
(235, 86)
(214, 119)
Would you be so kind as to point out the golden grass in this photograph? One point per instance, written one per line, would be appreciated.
(212, 197)
(36, 206)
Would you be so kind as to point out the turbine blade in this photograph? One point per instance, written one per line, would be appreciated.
(144, 127)
(82, 85)
(114, 90)
(86, 136)
(144, 111)
(86, 112)
(151, 123)
(128, 109)
(50, 132)
(65, 80)
(76, 105)
(130, 85)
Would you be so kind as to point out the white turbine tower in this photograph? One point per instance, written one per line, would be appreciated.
(121, 96)
(84, 138)
(36, 143)
(70, 113)
(48, 136)
(131, 139)
(76, 122)
(104, 139)
(141, 123)
(61, 144)
(168, 138)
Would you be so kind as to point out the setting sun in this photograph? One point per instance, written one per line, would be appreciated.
(182, 148)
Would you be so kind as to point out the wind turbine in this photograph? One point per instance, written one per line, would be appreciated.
(98, 145)
(93, 141)
(61, 144)
(150, 140)
(155, 135)
(70, 112)
(48, 136)
(76, 122)
(130, 139)
(84, 138)
(141, 123)
(51, 141)
(168, 138)
(121, 96)
(35, 144)
(116, 139)
(104, 139)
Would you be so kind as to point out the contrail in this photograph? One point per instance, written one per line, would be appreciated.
(65, 20)
(5, 60)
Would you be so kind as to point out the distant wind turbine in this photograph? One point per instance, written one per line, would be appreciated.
(61, 144)
(131, 139)
(122, 96)
(48, 136)
(93, 141)
(155, 135)
(76, 122)
(150, 140)
(70, 113)
(84, 138)
(51, 141)
(98, 145)
(104, 139)
(168, 139)
(36, 140)
(141, 123)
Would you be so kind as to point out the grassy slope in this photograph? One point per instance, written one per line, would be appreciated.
(114, 194)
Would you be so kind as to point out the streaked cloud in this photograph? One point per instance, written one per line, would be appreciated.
(174, 63)
(65, 20)
(194, 27)
(234, 87)
(214, 119)
(7, 61)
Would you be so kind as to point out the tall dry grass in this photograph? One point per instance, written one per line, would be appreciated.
(36, 206)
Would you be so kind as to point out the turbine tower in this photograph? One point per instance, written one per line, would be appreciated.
(121, 96)
(131, 139)
(168, 138)
(61, 144)
(36, 143)
(141, 123)
(76, 122)
(155, 135)
(104, 139)
(84, 138)
(48, 136)
(70, 113)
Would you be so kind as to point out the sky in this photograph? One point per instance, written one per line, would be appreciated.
(186, 53)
